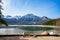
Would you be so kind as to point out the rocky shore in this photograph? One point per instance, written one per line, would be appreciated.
(44, 36)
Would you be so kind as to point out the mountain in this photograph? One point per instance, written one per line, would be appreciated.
(45, 18)
(11, 20)
(30, 19)
(55, 22)
(17, 17)
(8, 17)
(26, 19)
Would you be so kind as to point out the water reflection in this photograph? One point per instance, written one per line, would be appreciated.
(33, 30)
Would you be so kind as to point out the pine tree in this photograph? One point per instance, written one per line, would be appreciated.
(1, 20)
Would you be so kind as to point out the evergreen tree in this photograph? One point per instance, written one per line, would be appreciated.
(1, 20)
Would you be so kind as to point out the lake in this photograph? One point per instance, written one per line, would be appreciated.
(32, 29)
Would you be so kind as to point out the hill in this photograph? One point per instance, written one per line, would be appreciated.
(55, 22)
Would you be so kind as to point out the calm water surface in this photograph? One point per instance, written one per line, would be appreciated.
(15, 30)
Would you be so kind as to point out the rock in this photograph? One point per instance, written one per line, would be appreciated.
(51, 33)
(45, 33)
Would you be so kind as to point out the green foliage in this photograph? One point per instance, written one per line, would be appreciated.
(1, 20)
(51, 22)
(0, 1)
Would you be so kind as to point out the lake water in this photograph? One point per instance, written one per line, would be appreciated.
(34, 29)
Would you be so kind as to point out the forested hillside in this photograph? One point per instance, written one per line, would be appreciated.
(53, 22)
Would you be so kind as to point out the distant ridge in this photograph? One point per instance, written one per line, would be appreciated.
(28, 19)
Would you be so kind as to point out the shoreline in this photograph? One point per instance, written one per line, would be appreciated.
(30, 38)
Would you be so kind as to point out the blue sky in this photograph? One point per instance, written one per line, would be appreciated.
(49, 8)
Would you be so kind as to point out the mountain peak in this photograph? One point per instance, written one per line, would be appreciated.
(8, 16)
(45, 18)
(30, 15)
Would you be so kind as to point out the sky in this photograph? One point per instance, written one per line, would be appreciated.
(49, 8)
